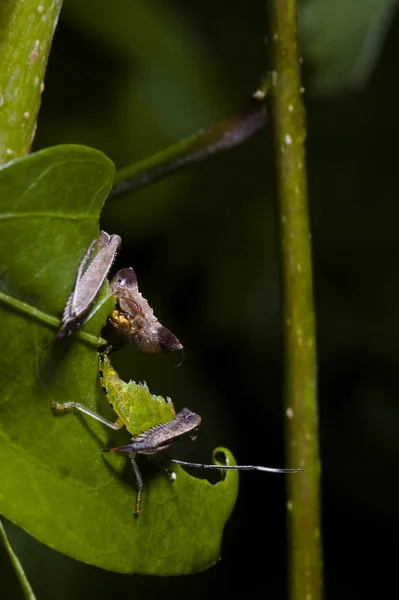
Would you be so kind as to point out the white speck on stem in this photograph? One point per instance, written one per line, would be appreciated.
(9, 152)
(302, 90)
(1, 99)
(26, 116)
(291, 107)
(288, 139)
(42, 87)
(299, 267)
(35, 52)
(290, 505)
(40, 8)
(289, 413)
(259, 95)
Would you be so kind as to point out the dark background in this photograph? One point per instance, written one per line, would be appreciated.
(131, 78)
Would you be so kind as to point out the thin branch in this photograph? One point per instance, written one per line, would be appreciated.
(303, 508)
(224, 135)
(26, 32)
(19, 571)
(38, 315)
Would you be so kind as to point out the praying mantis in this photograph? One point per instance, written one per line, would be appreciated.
(164, 426)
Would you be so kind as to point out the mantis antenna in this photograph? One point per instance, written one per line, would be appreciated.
(232, 467)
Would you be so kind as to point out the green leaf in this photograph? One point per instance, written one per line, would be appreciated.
(56, 483)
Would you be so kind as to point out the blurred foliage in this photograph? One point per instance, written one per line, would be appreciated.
(203, 246)
(342, 40)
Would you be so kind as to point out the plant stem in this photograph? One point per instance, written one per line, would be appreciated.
(226, 134)
(34, 313)
(303, 507)
(26, 32)
(23, 580)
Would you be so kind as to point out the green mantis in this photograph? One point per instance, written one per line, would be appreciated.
(136, 408)
(152, 421)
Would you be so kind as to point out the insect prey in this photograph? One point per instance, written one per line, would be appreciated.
(132, 320)
(89, 280)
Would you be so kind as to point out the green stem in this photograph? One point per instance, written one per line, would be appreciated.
(224, 135)
(26, 32)
(23, 580)
(46, 319)
(303, 502)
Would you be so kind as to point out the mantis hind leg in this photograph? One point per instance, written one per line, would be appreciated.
(139, 481)
(81, 408)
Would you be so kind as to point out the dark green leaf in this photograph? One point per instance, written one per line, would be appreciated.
(55, 482)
